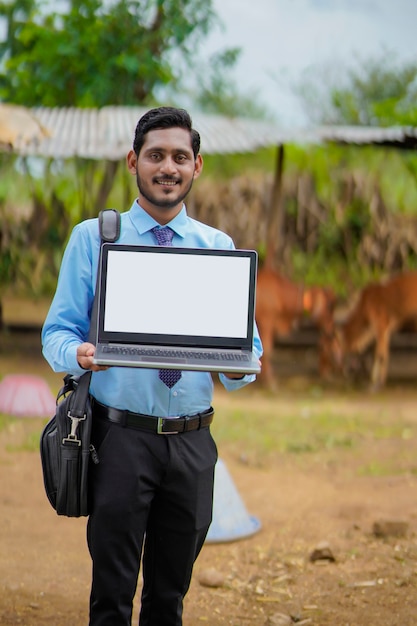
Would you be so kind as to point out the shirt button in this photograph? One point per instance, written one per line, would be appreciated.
(175, 393)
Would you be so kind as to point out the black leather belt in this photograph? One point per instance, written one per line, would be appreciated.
(159, 425)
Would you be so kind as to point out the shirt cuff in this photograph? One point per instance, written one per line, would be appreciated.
(232, 384)
(74, 367)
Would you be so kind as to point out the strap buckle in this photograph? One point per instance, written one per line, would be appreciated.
(72, 436)
(160, 426)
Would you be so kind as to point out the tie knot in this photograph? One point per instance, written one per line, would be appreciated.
(163, 235)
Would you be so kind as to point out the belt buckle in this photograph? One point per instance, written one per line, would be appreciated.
(160, 426)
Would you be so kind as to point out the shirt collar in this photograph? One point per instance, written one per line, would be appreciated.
(144, 222)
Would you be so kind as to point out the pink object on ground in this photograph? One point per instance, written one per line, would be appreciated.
(26, 396)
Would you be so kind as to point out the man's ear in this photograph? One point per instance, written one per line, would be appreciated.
(131, 161)
(198, 166)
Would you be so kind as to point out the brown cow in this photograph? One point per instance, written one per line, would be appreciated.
(280, 305)
(382, 308)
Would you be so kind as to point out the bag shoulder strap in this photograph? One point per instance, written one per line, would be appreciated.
(109, 225)
(109, 228)
(78, 401)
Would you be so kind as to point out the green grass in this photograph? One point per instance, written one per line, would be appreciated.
(312, 425)
(305, 427)
(4, 421)
(291, 432)
(24, 432)
(29, 443)
(302, 429)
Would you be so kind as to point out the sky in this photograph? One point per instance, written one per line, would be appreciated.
(282, 38)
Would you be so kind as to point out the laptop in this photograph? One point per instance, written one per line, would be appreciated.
(176, 308)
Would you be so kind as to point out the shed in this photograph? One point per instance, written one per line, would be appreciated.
(107, 134)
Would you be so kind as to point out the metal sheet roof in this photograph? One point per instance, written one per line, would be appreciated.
(404, 137)
(107, 133)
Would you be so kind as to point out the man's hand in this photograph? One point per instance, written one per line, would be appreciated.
(234, 376)
(85, 354)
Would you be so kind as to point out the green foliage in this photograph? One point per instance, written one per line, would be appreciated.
(40, 203)
(217, 92)
(93, 54)
(345, 183)
(225, 166)
(342, 181)
(394, 170)
(377, 91)
(344, 275)
(87, 53)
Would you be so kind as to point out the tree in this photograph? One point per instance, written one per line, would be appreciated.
(215, 90)
(373, 92)
(91, 53)
(370, 187)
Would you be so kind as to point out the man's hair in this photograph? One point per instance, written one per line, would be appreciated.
(165, 117)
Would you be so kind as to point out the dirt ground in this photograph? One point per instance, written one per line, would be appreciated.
(300, 501)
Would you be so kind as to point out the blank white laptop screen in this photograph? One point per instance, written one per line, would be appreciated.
(172, 294)
(154, 300)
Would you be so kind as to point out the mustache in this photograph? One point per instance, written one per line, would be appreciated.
(168, 177)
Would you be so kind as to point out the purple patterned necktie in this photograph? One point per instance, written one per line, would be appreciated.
(164, 237)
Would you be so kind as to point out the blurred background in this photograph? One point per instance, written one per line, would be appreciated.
(307, 111)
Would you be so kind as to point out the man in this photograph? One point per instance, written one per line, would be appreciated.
(148, 490)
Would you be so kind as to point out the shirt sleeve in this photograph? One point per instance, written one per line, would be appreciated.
(68, 321)
(237, 383)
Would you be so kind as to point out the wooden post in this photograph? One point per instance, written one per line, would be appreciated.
(274, 235)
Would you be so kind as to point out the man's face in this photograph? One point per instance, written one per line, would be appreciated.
(165, 170)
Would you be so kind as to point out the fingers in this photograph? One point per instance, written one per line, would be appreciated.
(85, 355)
(234, 376)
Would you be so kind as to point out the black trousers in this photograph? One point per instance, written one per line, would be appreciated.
(150, 494)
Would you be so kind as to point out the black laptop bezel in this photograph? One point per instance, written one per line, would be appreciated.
(128, 338)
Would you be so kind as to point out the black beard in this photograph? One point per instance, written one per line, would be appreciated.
(162, 204)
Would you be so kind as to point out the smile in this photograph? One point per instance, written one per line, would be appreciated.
(167, 183)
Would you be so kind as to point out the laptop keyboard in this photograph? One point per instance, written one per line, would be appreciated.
(182, 354)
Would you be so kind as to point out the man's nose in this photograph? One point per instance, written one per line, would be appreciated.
(168, 165)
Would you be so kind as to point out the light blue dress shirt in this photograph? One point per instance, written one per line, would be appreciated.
(68, 320)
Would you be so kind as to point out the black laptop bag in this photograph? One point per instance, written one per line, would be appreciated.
(65, 445)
